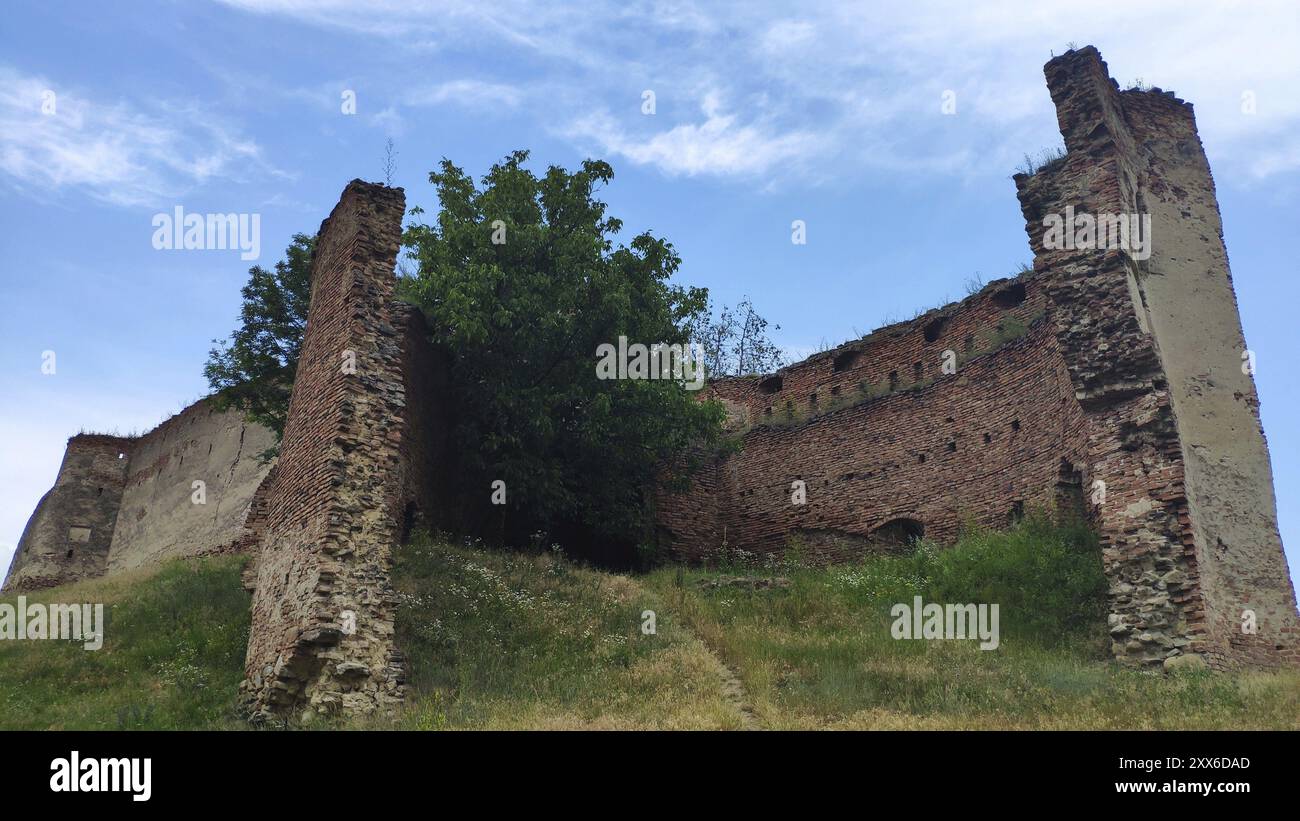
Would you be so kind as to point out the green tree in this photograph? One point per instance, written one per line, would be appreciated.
(522, 281)
(254, 369)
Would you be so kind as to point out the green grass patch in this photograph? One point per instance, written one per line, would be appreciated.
(819, 653)
(173, 654)
(507, 640)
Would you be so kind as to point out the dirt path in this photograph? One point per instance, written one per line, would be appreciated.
(734, 691)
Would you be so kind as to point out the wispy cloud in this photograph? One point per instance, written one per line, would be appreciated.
(720, 144)
(866, 81)
(54, 139)
(466, 93)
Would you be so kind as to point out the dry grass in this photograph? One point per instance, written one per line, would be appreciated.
(501, 640)
(819, 655)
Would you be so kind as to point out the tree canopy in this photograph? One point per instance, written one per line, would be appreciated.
(524, 285)
(254, 369)
(522, 280)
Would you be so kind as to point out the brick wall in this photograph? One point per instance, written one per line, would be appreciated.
(1127, 388)
(322, 624)
(978, 445)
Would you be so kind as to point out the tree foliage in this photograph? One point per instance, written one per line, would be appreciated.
(736, 343)
(521, 279)
(254, 369)
(522, 282)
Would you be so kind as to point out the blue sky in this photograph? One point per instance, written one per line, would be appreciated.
(764, 114)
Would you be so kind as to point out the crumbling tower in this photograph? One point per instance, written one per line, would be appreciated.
(1176, 460)
(355, 469)
(69, 534)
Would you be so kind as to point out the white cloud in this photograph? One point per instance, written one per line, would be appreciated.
(112, 151)
(812, 71)
(718, 145)
(466, 93)
(788, 35)
(389, 121)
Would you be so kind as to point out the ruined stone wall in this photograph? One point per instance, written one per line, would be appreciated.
(887, 450)
(160, 516)
(1099, 374)
(898, 357)
(126, 502)
(322, 619)
(1127, 391)
(68, 536)
(1191, 308)
(1154, 347)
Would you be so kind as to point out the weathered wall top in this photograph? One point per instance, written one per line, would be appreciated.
(125, 502)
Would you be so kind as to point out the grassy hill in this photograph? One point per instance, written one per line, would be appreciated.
(512, 640)
(172, 659)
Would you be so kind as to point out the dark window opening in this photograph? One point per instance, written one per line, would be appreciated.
(969, 343)
(918, 370)
(409, 515)
(1016, 513)
(812, 399)
(770, 385)
(920, 460)
(1069, 490)
(1015, 424)
(952, 447)
(893, 380)
(99, 491)
(899, 532)
(846, 360)
(767, 411)
(934, 329)
(69, 556)
(1010, 296)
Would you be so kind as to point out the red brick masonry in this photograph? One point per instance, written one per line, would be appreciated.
(1098, 369)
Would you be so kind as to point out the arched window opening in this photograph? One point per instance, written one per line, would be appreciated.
(899, 532)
